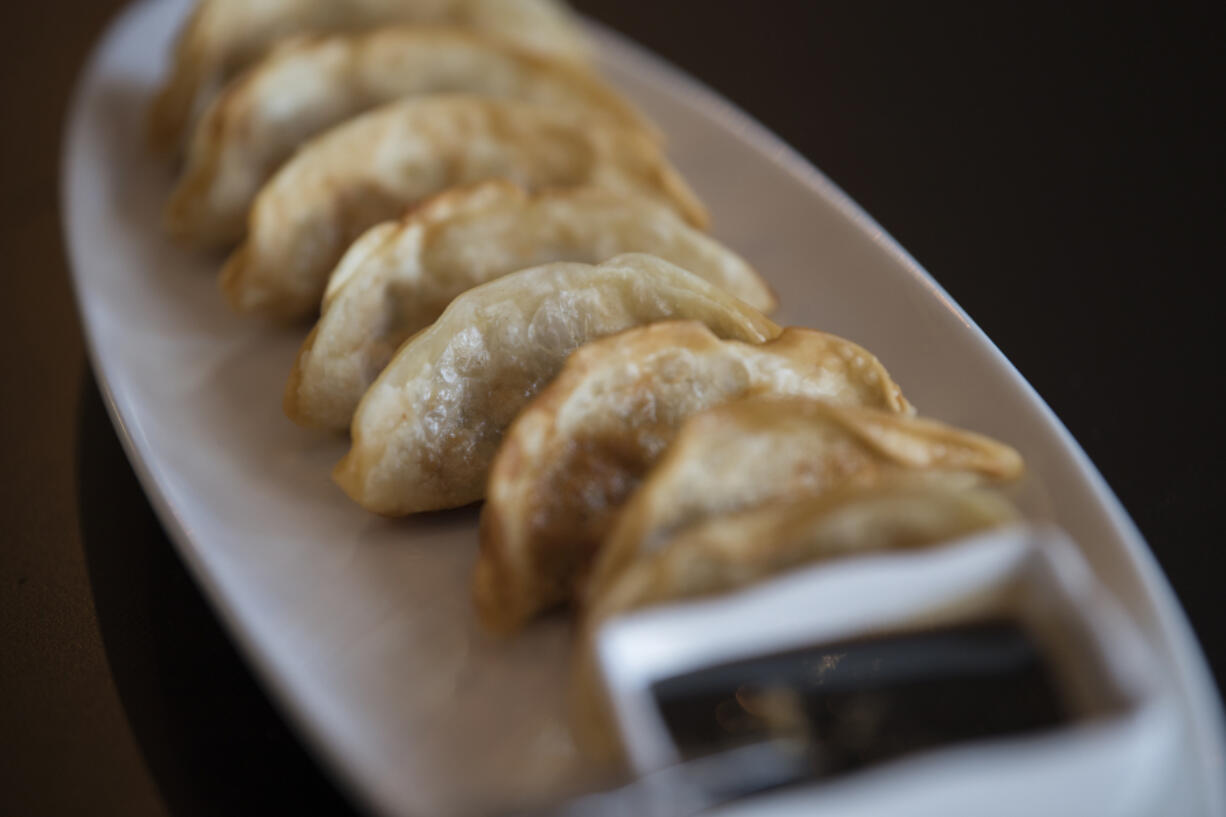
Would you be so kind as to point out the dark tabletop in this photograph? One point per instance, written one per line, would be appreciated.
(1058, 167)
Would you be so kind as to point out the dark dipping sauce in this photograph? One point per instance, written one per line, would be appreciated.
(862, 702)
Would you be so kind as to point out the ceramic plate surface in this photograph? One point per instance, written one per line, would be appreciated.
(361, 626)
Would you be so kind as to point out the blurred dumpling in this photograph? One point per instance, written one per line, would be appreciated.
(371, 168)
(754, 452)
(314, 83)
(723, 553)
(224, 36)
(399, 276)
(727, 553)
(576, 453)
(427, 429)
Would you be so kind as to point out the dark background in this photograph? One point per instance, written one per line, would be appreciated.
(1058, 167)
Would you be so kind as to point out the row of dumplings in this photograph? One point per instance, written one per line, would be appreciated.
(515, 301)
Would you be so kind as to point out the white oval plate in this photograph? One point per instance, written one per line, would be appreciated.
(361, 626)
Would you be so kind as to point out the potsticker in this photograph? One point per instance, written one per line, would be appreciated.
(222, 37)
(310, 84)
(373, 167)
(426, 431)
(576, 453)
(399, 276)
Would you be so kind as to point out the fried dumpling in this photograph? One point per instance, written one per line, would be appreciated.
(370, 169)
(399, 276)
(727, 553)
(309, 85)
(575, 454)
(754, 452)
(427, 429)
(723, 553)
(224, 36)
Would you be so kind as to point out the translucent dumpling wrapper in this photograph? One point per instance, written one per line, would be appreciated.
(755, 452)
(727, 553)
(222, 37)
(372, 168)
(577, 452)
(306, 86)
(398, 278)
(426, 431)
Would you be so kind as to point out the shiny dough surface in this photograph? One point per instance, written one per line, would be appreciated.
(310, 84)
(576, 453)
(373, 167)
(426, 431)
(399, 276)
(222, 37)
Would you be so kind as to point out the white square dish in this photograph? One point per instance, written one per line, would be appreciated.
(1122, 724)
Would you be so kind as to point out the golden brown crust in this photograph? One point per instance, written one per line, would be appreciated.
(758, 451)
(574, 456)
(726, 552)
